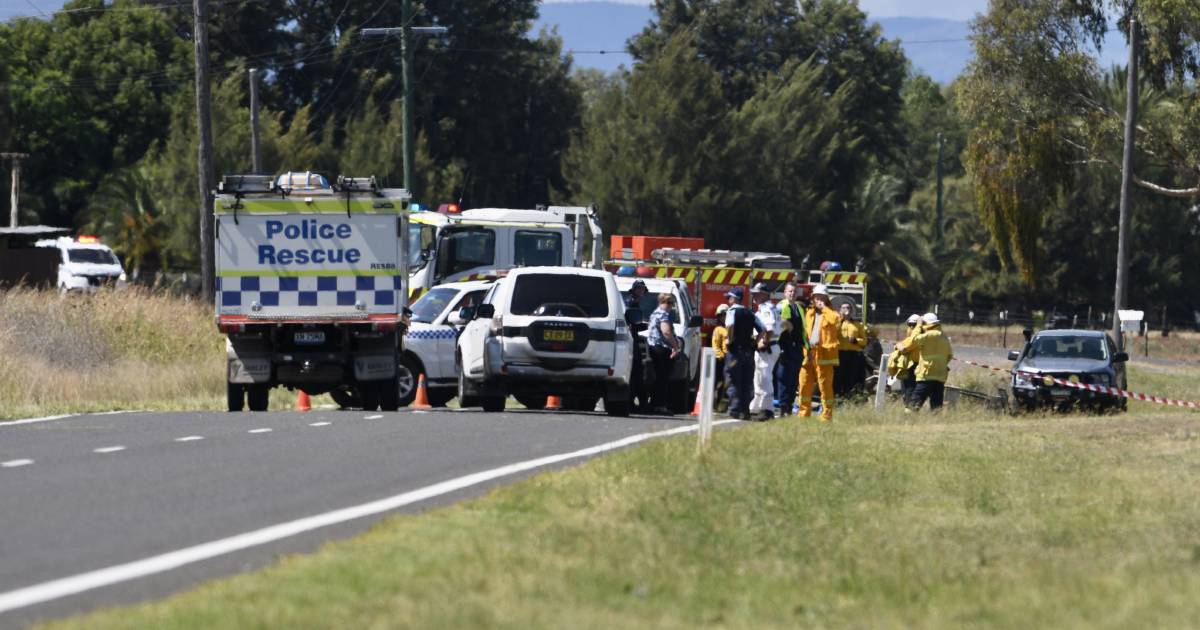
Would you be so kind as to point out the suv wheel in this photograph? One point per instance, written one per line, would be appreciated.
(466, 394)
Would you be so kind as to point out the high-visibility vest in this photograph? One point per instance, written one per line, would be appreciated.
(933, 353)
(855, 329)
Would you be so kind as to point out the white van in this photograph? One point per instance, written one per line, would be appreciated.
(85, 265)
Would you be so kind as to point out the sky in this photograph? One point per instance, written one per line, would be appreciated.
(947, 9)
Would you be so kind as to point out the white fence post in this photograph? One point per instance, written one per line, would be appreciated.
(708, 368)
(881, 382)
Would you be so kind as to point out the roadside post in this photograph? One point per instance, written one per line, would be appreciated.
(1130, 322)
(881, 382)
(708, 368)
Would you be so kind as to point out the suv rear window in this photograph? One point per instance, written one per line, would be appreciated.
(573, 296)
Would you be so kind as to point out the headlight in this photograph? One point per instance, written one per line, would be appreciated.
(122, 277)
(1023, 381)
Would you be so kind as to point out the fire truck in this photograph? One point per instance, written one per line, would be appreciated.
(711, 273)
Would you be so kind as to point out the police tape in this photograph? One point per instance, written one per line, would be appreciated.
(1103, 389)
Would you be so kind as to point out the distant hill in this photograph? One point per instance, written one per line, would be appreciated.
(936, 47)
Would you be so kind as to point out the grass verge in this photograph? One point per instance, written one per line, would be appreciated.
(874, 521)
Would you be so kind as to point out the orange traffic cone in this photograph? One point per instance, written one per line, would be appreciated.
(696, 407)
(553, 402)
(302, 401)
(422, 401)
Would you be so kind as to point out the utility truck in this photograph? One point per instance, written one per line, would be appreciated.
(311, 280)
(455, 245)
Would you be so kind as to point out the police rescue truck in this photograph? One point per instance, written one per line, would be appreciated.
(454, 245)
(311, 280)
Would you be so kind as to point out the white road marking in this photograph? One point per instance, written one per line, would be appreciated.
(109, 449)
(262, 430)
(189, 438)
(13, 463)
(419, 411)
(13, 423)
(82, 582)
(319, 424)
(374, 417)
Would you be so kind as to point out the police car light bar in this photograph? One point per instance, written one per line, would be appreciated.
(235, 184)
(356, 184)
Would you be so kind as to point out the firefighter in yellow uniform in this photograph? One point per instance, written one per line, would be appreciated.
(823, 334)
(851, 369)
(902, 366)
(933, 353)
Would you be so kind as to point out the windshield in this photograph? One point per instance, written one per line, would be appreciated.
(462, 249)
(570, 296)
(537, 249)
(648, 304)
(93, 256)
(426, 309)
(1068, 347)
(418, 234)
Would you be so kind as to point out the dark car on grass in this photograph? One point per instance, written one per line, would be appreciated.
(1077, 356)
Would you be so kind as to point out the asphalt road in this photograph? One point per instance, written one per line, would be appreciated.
(92, 492)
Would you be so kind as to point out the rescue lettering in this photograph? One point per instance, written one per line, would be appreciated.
(307, 229)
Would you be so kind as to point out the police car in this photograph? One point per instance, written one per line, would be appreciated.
(85, 264)
(431, 337)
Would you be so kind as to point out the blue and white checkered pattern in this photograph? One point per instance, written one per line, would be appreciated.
(276, 291)
(442, 332)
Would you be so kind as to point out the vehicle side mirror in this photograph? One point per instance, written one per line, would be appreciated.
(633, 316)
(1013, 355)
(695, 322)
(1120, 357)
(464, 315)
(485, 311)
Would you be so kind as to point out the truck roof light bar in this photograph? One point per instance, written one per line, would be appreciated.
(357, 184)
(242, 184)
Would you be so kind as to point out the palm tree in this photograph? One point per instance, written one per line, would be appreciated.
(893, 249)
(124, 213)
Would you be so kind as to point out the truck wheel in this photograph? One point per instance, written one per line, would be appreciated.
(235, 396)
(493, 404)
(389, 394)
(258, 397)
(345, 397)
(407, 374)
(369, 393)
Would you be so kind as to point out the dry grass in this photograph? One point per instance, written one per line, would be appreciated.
(110, 350)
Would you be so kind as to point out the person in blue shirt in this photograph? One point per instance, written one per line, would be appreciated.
(665, 347)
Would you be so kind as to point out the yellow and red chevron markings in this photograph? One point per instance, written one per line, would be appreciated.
(1104, 389)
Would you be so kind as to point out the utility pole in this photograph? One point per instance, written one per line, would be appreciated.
(406, 32)
(255, 149)
(939, 213)
(14, 218)
(1131, 96)
(204, 166)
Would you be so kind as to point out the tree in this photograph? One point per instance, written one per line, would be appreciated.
(889, 239)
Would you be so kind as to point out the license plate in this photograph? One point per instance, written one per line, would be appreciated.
(1059, 392)
(313, 338)
(558, 335)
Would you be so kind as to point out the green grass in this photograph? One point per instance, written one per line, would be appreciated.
(885, 520)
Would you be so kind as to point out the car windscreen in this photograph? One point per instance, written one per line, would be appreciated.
(93, 256)
(1068, 347)
(649, 303)
(426, 309)
(537, 249)
(572, 296)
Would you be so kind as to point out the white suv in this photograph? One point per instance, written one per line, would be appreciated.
(685, 378)
(547, 330)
